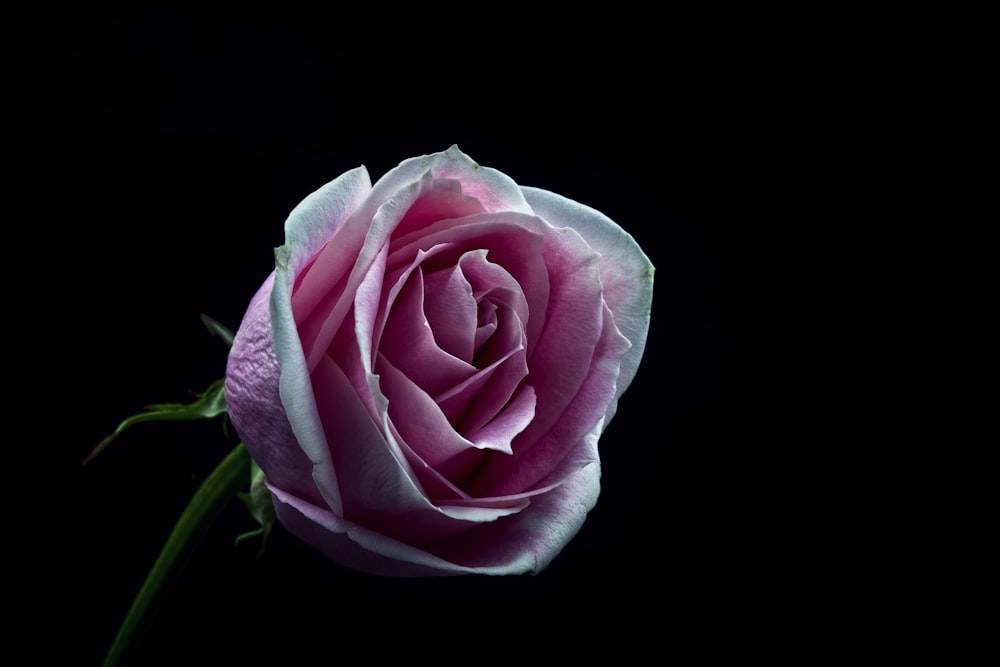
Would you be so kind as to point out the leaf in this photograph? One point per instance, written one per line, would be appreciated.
(210, 403)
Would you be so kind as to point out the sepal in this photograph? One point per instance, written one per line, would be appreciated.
(258, 501)
(210, 403)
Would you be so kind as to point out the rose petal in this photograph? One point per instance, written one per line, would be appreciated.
(254, 404)
(487, 325)
(560, 361)
(319, 306)
(353, 545)
(374, 480)
(500, 432)
(452, 312)
(475, 401)
(418, 419)
(344, 260)
(571, 319)
(410, 345)
(532, 464)
(522, 543)
(339, 269)
(491, 283)
(626, 272)
(528, 541)
(378, 485)
(439, 199)
(495, 191)
(514, 243)
(321, 215)
(308, 226)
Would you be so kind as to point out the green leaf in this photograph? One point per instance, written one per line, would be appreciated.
(210, 403)
(218, 489)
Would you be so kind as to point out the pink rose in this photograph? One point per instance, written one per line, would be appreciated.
(424, 377)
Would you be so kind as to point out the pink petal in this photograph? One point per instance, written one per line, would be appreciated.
(418, 420)
(254, 404)
(378, 487)
(495, 191)
(524, 542)
(514, 244)
(535, 463)
(491, 283)
(408, 342)
(475, 401)
(439, 199)
(487, 324)
(451, 312)
(626, 272)
(500, 432)
(353, 545)
(322, 291)
(529, 540)
(309, 226)
(561, 360)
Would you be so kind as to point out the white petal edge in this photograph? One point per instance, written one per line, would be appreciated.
(626, 272)
(553, 520)
(308, 227)
(315, 219)
(496, 191)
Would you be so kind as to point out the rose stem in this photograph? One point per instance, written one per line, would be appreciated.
(220, 487)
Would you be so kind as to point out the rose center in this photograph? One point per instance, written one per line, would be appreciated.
(456, 331)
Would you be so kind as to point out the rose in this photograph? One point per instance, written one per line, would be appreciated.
(424, 377)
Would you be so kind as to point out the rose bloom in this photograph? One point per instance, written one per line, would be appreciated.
(425, 376)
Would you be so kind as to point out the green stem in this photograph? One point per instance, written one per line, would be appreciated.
(221, 486)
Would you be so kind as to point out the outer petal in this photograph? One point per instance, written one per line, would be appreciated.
(584, 417)
(518, 544)
(307, 229)
(318, 217)
(527, 542)
(495, 191)
(626, 272)
(354, 546)
(254, 404)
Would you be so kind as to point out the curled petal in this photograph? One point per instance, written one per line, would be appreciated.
(625, 271)
(254, 404)
(525, 542)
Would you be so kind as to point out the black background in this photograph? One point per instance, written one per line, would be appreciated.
(163, 155)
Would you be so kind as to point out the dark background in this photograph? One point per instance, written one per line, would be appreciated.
(163, 155)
